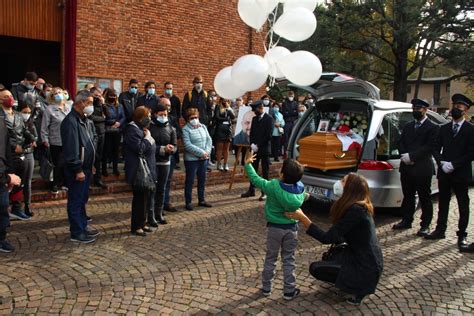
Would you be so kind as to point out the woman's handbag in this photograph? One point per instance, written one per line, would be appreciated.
(335, 252)
(143, 178)
(46, 165)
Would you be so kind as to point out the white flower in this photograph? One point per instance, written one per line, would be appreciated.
(358, 117)
(364, 126)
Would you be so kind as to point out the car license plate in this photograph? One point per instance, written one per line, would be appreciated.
(321, 192)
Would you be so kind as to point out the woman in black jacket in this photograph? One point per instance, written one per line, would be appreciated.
(137, 141)
(223, 117)
(358, 268)
(166, 144)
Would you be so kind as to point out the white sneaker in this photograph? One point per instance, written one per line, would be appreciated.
(226, 167)
(220, 166)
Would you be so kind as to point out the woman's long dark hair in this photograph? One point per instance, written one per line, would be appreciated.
(356, 191)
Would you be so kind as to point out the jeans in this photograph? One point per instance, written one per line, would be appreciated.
(77, 197)
(155, 211)
(4, 216)
(284, 241)
(166, 199)
(27, 176)
(265, 160)
(198, 167)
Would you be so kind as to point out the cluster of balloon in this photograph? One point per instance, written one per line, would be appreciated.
(297, 23)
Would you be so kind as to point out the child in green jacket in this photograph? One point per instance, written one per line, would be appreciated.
(283, 195)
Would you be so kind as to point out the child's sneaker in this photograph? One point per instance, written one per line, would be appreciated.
(266, 293)
(292, 295)
(356, 300)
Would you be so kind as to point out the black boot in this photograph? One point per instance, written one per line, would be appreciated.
(462, 240)
(28, 211)
(151, 219)
(159, 216)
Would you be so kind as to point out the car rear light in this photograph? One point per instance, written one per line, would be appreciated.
(375, 165)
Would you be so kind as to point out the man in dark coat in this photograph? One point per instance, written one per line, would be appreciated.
(129, 99)
(98, 117)
(454, 154)
(7, 179)
(149, 99)
(289, 110)
(196, 98)
(79, 144)
(260, 144)
(417, 143)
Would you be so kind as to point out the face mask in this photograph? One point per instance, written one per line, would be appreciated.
(250, 102)
(58, 98)
(133, 90)
(290, 98)
(29, 86)
(145, 122)
(8, 103)
(338, 188)
(310, 100)
(47, 94)
(276, 110)
(456, 113)
(88, 110)
(198, 87)
(162, 119)
(169, 92)
(417, 115)
(300, 114)
(40, 87)
(112, 100)
(151, 91)
(66, 95)
(266, 102)
(25, 116)
(194, 122)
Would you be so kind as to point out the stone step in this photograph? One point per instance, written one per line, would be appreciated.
(117, 184)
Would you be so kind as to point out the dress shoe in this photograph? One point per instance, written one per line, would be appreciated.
(436, 234)
(139, 232)
(401, 225)
(424, 231)
(170, 208)
(462, 242)
(189, 207)
(163, 221)
(467, 248)
(153, 224)
(247, 194)
(205, 204)
(147, 229)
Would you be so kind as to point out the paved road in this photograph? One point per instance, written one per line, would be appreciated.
(209, 261)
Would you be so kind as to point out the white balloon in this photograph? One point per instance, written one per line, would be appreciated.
(251, 13)
(296, 25)
(224, 85)
(301, 67)
(273, 56)
(307, 4)
(250, 72)
(267, 5)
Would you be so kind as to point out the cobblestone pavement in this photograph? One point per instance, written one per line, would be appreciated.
(209, 261)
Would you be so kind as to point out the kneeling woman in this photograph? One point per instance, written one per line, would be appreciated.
(358, 268)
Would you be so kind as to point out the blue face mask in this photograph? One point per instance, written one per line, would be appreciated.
(58, 98)
(29, 86)
(133, 90)
(300, 114)
(276, 110)
(151, 91)
(162, 119)
(169, 92)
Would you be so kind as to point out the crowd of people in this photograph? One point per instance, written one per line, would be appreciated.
(75, 141)
(201, 124)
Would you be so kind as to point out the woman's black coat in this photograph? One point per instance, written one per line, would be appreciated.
(362, 261)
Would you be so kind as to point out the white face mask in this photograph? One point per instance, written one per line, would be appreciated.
(25, 116)
(266, 102)
(194, 122)
(198, 87)
(290, 98)
(162, 119)
(338, 188)
(88, 110)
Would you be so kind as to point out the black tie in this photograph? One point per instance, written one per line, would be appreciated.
(417, 125)
(455, 129)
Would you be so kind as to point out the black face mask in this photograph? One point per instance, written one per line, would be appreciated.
(456, 113)
(144, 123)
(417, 115)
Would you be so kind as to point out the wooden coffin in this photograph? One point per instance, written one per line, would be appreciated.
(324, 151)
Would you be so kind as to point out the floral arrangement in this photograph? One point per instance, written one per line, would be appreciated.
(357, 123)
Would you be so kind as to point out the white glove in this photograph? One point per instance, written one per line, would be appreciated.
(447, 167)
(254, 148)
(405, 158)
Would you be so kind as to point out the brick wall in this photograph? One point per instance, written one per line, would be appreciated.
(161, 40)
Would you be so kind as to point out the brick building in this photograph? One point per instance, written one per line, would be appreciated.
(72, 42)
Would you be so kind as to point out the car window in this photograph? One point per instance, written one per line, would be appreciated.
(388, 137)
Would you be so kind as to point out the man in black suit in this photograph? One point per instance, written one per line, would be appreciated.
(454, 154)
(417, 143)
(260, 140)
